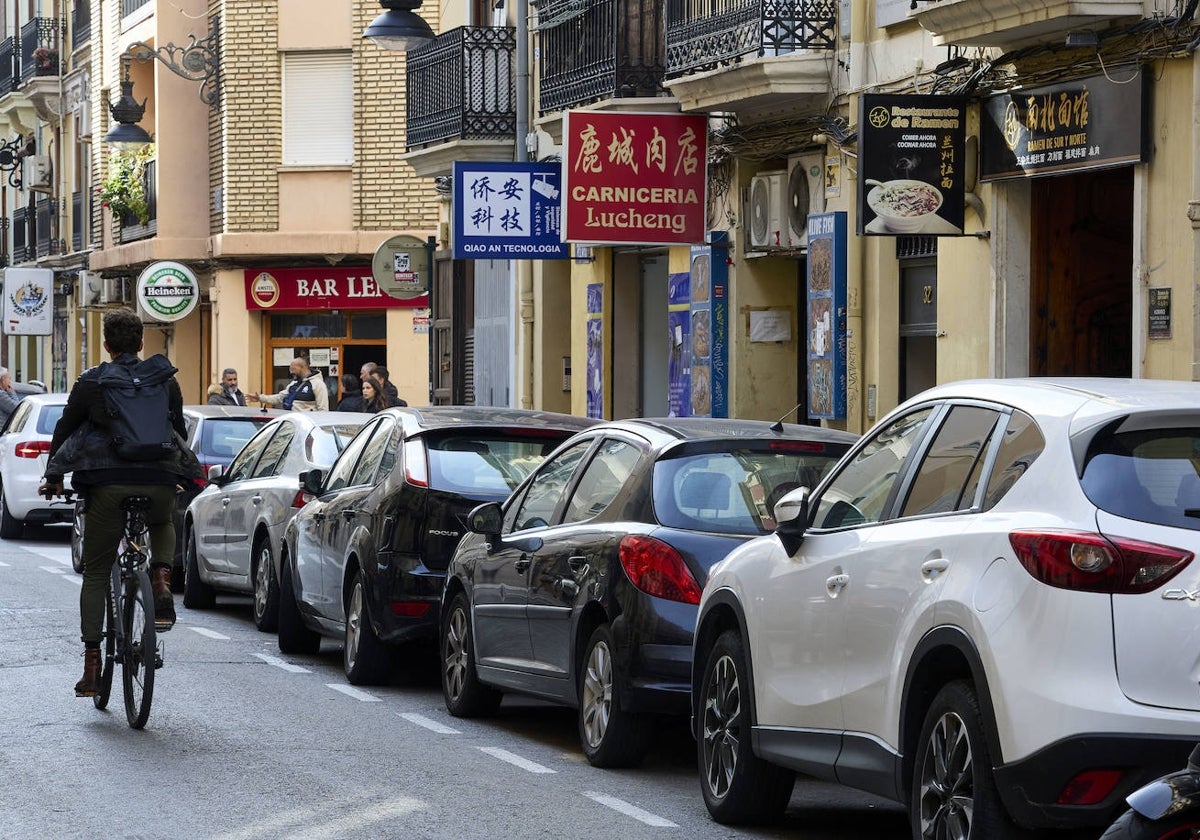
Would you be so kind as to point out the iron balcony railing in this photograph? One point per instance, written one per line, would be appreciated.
(45, 227)
(462, 87)
(39, 47)
(22, 235)
(81, 25)
(706, 34)
(132, 228)
(80, 215)
(128, 7)
(8, 66)
(597, 50)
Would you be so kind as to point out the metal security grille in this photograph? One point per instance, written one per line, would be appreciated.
(493, 350)
(913, 247)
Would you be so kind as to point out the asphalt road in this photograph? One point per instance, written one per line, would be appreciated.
(244, 742)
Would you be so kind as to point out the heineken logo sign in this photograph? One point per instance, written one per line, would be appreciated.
(167, 291)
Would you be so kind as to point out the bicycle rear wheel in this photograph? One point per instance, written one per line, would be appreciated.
(137, 669)
(110, 647)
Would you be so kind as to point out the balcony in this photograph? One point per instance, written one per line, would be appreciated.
(1013, 23)
(80, 217)
(132, 228)
(461, 99)
(39, 48)
(753, 57)
(600, 50)
(81, 25)
(8, 66)
(45, 228)
(23, 235)
(128, 7)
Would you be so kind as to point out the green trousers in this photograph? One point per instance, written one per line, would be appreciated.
(103, 524)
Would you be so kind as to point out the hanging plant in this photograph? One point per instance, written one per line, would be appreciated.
(123, 192)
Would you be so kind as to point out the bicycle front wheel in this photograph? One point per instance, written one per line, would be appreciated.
(137, 622)
(110, 647)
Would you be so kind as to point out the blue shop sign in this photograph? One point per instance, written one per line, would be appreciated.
(508, 211)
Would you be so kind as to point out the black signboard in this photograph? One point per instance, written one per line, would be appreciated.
(911, 151)
(1158, 315)
(1090, 123)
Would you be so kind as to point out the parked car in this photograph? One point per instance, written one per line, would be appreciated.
(216, 433)
(985, 612)
(365, 560)
(232, 529)
(582, 588)
(24, 449)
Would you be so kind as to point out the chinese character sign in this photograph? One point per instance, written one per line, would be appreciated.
(826, 321)
(508, 211)
(635, 178)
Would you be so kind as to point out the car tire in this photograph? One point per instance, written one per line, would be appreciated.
(10, 526)
(197, 595)
(952, 767)
(739, 788)
(464, 694)
(1133, 826)
(266, 588)
(610, 735)
(77, 537)
(294, 635)
(366, 659)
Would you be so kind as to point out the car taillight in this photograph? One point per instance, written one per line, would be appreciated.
(1089, 562)
(31, 448)
(657, 569)
(301, 499)
(1089, 787)
(416, 465)
(410, 609)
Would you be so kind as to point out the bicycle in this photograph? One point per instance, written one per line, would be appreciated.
(129, 635)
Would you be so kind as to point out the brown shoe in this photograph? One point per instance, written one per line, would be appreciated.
(164, 601)
(89, 684)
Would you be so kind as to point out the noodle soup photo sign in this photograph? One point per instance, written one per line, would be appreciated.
(912, 155)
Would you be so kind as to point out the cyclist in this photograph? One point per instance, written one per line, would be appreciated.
(82, 445)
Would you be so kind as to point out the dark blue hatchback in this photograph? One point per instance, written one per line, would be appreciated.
(583, 587)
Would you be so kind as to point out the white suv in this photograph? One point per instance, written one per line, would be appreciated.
(988, 611)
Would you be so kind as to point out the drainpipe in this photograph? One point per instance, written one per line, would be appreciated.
(1193, 212)
(523, 268)
(856, 247)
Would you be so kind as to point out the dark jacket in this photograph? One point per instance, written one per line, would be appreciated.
(350, 401)
(82, 445)
(393, 395)
(217, 395)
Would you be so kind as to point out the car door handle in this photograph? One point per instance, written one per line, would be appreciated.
(579, 563)
(930, 569)
(836, 583)
(567, 587)
(256, 499)
(225, 502)
(349, 514)
(523, 563)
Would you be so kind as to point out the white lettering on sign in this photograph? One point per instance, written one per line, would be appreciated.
(820, 225)
(320, 288)
(363, 287)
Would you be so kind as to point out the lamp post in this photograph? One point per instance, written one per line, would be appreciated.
(126, 135)
(399, 28)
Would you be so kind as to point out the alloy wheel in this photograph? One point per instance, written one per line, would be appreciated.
(454, 656)
(722, 726)
(947, 781)
(354, 619)
(262, 581)
(597, 694)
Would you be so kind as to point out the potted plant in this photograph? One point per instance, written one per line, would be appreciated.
(123, 191)
(45, 60)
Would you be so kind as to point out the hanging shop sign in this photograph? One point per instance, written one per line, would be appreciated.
(333, 287)
(911, 155)
(401, 267)
(28, 301)
(595, 351)
(167, 291)
(1090, 123)
(826, 323)
(634, 178)
(508, 211)
(709, 322)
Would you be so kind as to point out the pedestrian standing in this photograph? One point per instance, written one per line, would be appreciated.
(9, 398)
(352, 398)
(306, 392)
(227, 392)
(393, 394)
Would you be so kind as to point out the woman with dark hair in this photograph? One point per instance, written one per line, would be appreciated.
(352, 399)
(373, 398)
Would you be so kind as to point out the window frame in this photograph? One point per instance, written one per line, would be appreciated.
(317, 102)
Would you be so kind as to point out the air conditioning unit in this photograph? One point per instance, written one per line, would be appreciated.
(765, 211)
(89, 285)
(804, 195)
(37, 173)
(112, 290)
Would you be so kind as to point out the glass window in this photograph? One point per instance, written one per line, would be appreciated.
(274, 452)
(366, 327)
(542, 498)
(1152, 475)
(602, 479)
(318, 108)
(48, 418)
(368, 464)
(343, 467)
(223, 437)
(1021, 445)
(316, 323)
(490, 462)
(858, 494)
(324, 444)
(19, 417)
(953, 457)
(243, 462)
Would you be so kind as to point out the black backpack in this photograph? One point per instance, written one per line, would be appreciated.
(138, 405)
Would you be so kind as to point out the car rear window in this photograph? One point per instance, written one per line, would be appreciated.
(224, 437)
(324, 443)
(734, 492)
(1152, 475)
(48, 418)
(485, 463)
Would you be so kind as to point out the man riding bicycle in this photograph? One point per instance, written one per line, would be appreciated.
(84, 445)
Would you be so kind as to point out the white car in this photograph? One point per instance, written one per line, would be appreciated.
(233, 527)
(24, 447)
(989, 611)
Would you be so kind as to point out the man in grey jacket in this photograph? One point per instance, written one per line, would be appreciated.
(8, 396)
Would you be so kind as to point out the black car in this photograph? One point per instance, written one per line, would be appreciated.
(365, 559)
(583, 587)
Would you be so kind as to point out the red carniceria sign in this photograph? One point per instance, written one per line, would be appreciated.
(320, 288)
(635, 178)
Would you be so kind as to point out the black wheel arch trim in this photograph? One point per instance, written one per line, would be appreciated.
(726, 599)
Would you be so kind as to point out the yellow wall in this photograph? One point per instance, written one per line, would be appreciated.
(407, 357)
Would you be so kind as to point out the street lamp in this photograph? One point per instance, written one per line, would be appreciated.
(399, 28)
(126, 135)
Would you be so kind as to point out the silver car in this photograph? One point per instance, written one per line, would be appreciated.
(232, 528)
(24, 450)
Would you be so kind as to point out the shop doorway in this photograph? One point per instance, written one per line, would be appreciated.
(1081, 269)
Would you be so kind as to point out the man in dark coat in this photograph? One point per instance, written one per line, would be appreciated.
(227, 392)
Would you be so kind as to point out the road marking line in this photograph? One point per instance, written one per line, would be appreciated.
(516, 760)
(54, 570)
(429, 723)
(3, 563)
(55, 554)
(629, 810)
(212, 634)
(75, 579)
(281, 664)
(351, 691)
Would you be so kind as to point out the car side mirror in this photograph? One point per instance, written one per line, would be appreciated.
(311, 481)
(487, 519)
(791, 519)
(215, 473)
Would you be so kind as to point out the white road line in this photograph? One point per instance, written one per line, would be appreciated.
(75, 579)
(58, 555)
(3, 563)
(351, 691)
(279, 663)
(516, 760)
(629, 810)
(429, 723)
(212, 634)
(54, 570)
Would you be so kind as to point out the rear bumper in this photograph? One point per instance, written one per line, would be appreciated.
(405, 586)
(43, 515)
(653, 637)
